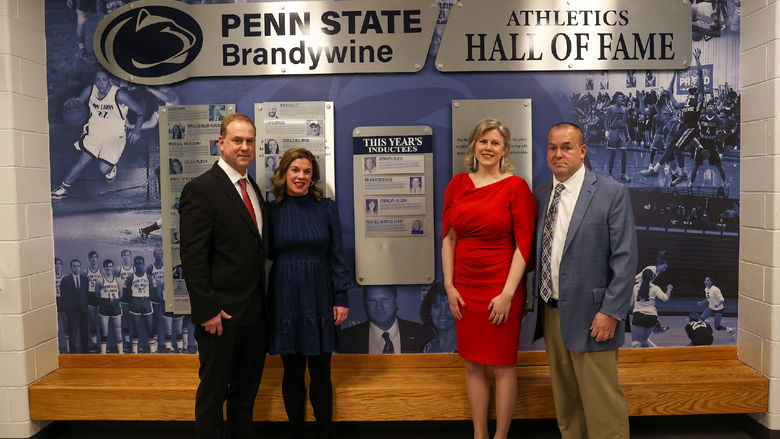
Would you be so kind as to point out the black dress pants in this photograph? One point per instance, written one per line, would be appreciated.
(78, 320)
(231, 366)
(320, 392)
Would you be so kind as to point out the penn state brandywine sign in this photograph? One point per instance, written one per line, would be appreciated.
(160, 42)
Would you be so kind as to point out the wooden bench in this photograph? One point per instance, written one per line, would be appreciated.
(660, 381)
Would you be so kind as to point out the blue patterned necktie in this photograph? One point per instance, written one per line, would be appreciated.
(545, 286)
(388, 349)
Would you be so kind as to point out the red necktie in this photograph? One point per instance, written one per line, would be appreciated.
(247, 201)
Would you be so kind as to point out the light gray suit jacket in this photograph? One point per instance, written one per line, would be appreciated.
(598, 264)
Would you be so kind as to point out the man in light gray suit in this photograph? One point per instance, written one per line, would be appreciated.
(586, 254)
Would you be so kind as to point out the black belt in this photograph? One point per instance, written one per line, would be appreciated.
(552, 303)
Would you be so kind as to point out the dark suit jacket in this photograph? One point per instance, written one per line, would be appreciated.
(598, 263)
(414, 337)
(222, 253)
(74, 299)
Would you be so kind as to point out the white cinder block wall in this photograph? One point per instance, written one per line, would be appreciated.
(28, 316)
(759, 247)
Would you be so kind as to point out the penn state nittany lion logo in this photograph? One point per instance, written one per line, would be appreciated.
(148, 40)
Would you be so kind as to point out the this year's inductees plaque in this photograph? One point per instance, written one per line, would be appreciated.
(393, 178)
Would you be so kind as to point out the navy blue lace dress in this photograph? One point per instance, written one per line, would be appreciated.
(308, 277)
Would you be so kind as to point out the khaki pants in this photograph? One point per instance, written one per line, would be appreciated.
(589, 402)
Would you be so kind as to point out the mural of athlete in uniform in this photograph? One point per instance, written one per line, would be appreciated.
(157, 276)
(680, 129)
(714, 301)
(709, 122)
(698, 331)
(103, 138)
(616, 131)
(691, 111)
(109, 307)
(93, 274)
(137, 291)
(123, 271)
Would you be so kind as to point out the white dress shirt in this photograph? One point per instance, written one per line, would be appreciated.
(234, 176)
(376, 344)
(566, 204)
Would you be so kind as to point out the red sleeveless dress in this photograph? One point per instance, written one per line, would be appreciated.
(491, 222)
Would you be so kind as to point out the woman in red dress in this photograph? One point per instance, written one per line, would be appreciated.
(488, 226)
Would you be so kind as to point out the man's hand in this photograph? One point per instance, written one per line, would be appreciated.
(603, 327)
(214, 324)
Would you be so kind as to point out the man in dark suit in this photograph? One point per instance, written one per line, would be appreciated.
(384, 332)
(586, 255)
(223, 253)
(73, 292)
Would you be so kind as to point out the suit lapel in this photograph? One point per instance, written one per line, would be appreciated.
(583, 201)
(230, 192)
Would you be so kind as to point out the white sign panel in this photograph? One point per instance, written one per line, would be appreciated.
(393, 181)
(188, 147)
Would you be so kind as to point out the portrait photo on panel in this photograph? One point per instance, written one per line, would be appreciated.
(176, 131)
(371, 206)
(216, 112)
(176, 166)
(314, 128)
(271, 146)
(415, 185)
(214, 148)
(369, 165)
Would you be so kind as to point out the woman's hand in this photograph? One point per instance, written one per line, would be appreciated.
(456, 301)
(499, 308)
(340, 314)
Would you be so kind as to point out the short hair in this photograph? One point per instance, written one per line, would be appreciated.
(437, 290)
(125, 251)
(481, 128)
(570, 125)
(137, 258)
(92, 253)
(57, 260)
(72, 261)
(233, 117)
(279, 180)
(390, 288)
(107, 261)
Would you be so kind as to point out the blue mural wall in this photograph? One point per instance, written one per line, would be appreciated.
(689, 228)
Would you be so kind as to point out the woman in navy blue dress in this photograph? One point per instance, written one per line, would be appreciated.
(308, 287)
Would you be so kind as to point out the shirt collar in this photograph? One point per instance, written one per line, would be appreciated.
(574, 181)
(232, 174)
(377, 331)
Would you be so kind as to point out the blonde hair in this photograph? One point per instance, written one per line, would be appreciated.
(279, 179)
(478, 131)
